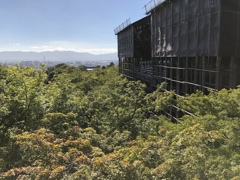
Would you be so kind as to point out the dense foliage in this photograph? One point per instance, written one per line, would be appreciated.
(68, 123)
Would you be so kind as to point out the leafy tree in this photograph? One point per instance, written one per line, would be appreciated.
(65, 123)
(82, 68)
(110, 65)
(23, 103)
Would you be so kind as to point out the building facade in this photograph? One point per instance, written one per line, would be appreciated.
(190, 44)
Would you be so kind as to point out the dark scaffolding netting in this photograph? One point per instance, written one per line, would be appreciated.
(228, 34)
(238, 36)
(192, 28)
(162, 22)
(163, 31)
(215, 6)
(175, 40)
(175, 13)
(142, 38)
(156, 33)
(135, 40)
(125, 42)
(168, 47)
(188, 28)
(203, 7)
(168, 36)
(183, 41)
(192, 10)
(229, 5)
(203, 36)
(192, 37)
(163, 41)
(183, 10)
(169, 15)
(214, 34)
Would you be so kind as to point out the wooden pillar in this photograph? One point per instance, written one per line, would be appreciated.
(195, 73)
(160, 70)
(203, 59)
(171, 76)
(157, 71)
(233, 70)
(178, 76)
(218, 76)
(186, 86)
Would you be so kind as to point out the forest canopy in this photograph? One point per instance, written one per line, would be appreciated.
(64, 122)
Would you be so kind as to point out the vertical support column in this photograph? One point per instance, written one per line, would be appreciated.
(138, 68)
(195, 73)
(178, 76)
(123, 61)
(125, 66)
(237, 64)
(218, 76)
(203, 72)
(119, 65)
(160, 70)
(186, 86)
(233, 71)
(165, 64)
(130, 67)
(154, 66)
(171, 75)
(135, 66)
(166, 69)
(157, 71)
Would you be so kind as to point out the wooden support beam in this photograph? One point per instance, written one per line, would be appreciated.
(203, 59)
(186, 86)
(178, 76)
(218, 74)
(233, 71)
(171, 74)
(195, 73)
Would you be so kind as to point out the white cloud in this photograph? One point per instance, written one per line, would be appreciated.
(41, 48)
(99, 50)
(13, 44)
(61, 46)
(34, 47)
(71, 46)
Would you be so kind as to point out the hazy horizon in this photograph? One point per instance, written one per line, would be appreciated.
(29, 51)
(54, 56)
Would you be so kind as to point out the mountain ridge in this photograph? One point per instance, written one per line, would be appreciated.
(54, 56)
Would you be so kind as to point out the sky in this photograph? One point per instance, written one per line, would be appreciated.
(69, 25)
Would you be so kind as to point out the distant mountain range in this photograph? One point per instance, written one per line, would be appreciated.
(17, 56)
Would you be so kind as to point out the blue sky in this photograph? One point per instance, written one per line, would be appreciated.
(77, 25)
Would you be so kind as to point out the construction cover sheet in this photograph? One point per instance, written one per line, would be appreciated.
(196, 28)
(125, 42)
(230, 28)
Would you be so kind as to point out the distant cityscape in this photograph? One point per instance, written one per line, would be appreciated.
(52, 58)
(54, 63)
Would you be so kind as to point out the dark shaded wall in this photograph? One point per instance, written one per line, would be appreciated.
(125, 42)
(189, 28)
(135, 40)
(142, 38)
(229, 44)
